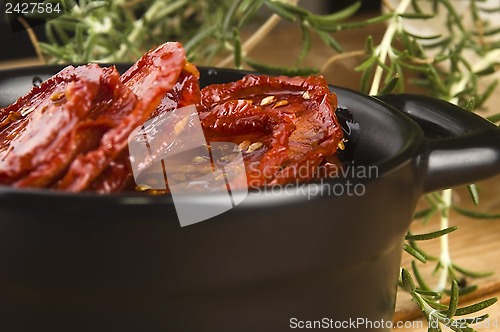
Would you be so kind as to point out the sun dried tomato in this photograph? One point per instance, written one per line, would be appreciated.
(284, 126)
(38, 136)
(150, 78)
(185, 92)
(115, 178)
(118, 175)
(260, 133)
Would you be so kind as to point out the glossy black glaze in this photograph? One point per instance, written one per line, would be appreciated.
(122, 262)
(462, 148)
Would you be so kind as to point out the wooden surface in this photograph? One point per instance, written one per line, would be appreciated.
(475, 245)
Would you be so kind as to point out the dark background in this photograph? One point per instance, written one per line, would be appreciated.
(18, 45)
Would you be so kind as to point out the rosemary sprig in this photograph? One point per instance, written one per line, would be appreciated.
(458, 85)
(437, 313)
(121, 30)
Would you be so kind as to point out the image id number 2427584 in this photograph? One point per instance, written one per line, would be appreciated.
(32, 8)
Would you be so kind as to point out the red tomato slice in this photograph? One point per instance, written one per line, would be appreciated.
(286, 126)
(38, 135)
(150, 78)
(118, 175)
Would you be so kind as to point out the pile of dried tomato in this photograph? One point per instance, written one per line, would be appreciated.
(70, 133)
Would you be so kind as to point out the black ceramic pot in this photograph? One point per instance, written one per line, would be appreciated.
(81, 262)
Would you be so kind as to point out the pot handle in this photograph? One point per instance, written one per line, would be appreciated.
(461, 146)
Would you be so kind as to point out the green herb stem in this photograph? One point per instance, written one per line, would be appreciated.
(489, 59)
(385, 47)
(256, 37)
(444, 258)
